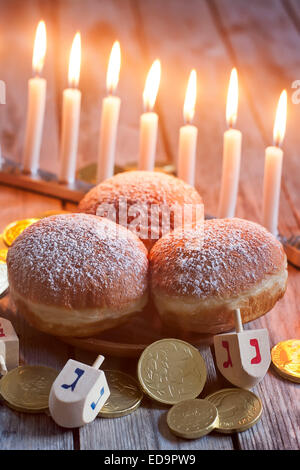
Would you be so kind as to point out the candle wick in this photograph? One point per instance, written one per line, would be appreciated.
(277, 143)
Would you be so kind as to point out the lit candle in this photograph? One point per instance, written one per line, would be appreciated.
(36, 104)
(71, 116)
(110, 117)
(188, 134)
(149, 120)
(231, 153)
(273, 169)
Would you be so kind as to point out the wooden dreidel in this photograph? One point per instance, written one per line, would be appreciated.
(243, 357)
(9, 347)
(78, 393)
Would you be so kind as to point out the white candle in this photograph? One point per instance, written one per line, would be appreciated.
(71, 117)
(36, 104)
(231, 154)
(273, 169)
(110, 118)
(149, 120)
(188, 135)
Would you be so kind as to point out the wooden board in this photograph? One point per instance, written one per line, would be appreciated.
(16, 205)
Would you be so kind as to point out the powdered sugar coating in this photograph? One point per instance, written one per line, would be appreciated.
(235, 256)
(78, 261)
(142, 188)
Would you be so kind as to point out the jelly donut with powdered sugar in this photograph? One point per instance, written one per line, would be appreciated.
(77, 274)
(200, 276)
(153, 198)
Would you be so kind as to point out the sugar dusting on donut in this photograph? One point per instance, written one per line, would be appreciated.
(78, 260)
(235, 255)
(145, 189)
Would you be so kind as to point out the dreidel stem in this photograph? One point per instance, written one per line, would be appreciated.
(238, 321)
(98, 362)
(3, 368)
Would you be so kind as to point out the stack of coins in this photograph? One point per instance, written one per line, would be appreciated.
(173, 372)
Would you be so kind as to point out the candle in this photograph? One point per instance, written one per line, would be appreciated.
(188, 134)
(71, 116)
(231, 153)
(149, 120)
(36, 104)
(273, 169)
(110, 117)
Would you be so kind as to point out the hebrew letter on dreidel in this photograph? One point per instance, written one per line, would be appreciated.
(93, 404)
(9, 347)
(79, 373)
(243, 357)
(73, 403)
(257, 358)
(228, 362)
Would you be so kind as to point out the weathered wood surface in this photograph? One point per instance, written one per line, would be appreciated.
(262, 40)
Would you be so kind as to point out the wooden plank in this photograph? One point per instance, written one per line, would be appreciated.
(198, 40)
(278, 430)
(100, 26)
(18, 22)
(293, 10)
(265, 31)
(20, 430)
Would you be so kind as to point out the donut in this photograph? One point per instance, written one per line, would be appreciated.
(199, 276)
(141, 201)
(77, 274)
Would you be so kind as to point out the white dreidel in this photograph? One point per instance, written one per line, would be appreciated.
(243, 357)
(9, 347)
(78, 393)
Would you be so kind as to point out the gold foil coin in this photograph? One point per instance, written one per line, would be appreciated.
(192, 419)
(125, 395)
(238, 409)
(286, 359)
(3, 255)
(171, 370)
(13, 230)
(27, 388)
(3, 280)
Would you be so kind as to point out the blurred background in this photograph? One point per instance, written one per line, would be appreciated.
(260, 38)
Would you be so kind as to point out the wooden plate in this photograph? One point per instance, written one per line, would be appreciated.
(131, 338)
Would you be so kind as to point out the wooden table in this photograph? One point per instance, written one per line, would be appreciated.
(262, 40)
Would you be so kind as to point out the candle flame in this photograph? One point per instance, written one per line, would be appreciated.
(152, 85)
(190, 97)
(39, 49)
(232, 99)
(280, 119)
(113, 70)
(74, 62)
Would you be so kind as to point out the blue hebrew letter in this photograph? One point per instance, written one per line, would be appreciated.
(93, 404)
(79, 373)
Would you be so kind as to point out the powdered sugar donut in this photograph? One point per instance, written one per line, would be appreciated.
(152, 199)
(77, 274)
(199, 277)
